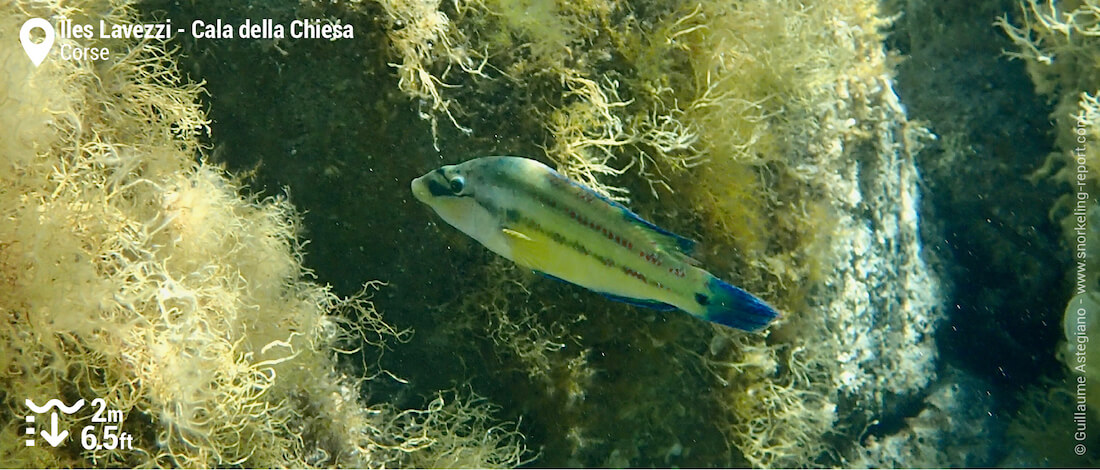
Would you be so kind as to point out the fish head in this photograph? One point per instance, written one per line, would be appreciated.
(441, 185)
(447, 191)
(461, 196)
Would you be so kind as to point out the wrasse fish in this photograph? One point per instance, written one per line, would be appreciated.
(529, 213)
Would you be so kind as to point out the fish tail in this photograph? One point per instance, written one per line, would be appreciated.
(731, 306)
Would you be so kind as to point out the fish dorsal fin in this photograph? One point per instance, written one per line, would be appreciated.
(667, 241)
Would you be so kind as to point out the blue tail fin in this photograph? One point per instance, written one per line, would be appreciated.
(732, 306)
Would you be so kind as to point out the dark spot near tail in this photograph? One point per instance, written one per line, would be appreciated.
(702, 299)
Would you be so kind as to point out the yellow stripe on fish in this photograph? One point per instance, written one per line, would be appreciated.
(534, 216)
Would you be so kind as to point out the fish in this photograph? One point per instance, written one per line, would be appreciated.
(534, 216)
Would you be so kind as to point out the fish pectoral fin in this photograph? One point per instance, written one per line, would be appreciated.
(531, 251)
(515, 236)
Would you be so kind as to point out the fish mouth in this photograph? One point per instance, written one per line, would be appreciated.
(419, 188)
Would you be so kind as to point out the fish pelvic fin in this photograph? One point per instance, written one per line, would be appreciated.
(732, 306)
(653, 304)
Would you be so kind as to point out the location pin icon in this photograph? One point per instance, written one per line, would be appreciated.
(37, 52)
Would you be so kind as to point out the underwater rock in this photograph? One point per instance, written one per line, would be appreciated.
(954, 428)
(780, 133)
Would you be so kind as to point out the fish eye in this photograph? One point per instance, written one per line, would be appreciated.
(457, 184)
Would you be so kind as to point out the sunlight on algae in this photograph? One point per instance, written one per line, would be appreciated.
(135, 273)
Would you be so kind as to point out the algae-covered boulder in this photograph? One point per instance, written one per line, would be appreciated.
(998, 199)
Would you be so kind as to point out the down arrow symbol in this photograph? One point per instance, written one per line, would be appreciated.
(53, 437)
